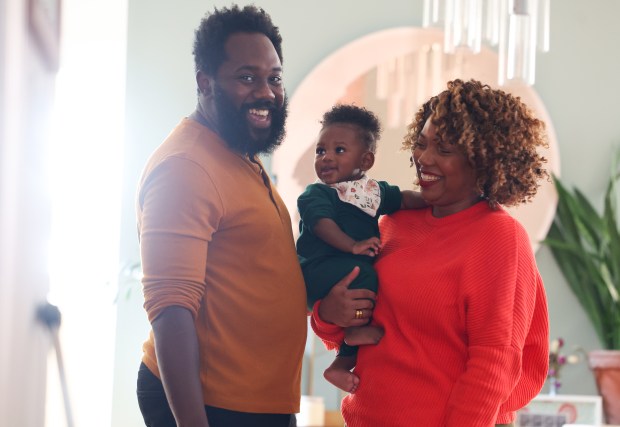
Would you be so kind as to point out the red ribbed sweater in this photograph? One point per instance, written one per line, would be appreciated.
(465, 317)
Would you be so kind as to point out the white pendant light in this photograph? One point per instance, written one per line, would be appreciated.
(519, 28)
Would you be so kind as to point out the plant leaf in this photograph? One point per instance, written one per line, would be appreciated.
(586, 247)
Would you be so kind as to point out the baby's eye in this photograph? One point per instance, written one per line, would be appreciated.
(340, 150)
(320, 151)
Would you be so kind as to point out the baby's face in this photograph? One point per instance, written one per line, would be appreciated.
(341, 155)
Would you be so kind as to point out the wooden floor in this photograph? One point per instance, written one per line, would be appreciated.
(333, 419)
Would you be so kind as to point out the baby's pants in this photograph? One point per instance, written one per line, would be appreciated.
(322, 274)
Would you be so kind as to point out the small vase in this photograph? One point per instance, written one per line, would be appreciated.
(553, 386)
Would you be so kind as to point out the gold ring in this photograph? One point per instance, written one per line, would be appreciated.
(359, 314)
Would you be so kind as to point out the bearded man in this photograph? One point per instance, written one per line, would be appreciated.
(223, 289)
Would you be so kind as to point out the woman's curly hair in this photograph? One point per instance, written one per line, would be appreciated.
(496, 132)
(367, 122)
(216, 27)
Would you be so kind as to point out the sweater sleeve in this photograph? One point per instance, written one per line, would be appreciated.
(179, 211)
(332, 335)
(507, 330)
(535, 359)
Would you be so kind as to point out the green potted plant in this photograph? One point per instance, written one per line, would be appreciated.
(586, 246)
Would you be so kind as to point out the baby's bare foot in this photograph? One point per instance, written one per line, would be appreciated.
(362, 335)
(342, 379)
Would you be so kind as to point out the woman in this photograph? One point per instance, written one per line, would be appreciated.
(462, 302)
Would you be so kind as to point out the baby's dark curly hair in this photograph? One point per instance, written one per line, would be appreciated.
(496, 132)
(367, 122)
(216, 27)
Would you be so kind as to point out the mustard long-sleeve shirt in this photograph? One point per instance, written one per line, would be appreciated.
(216, 238)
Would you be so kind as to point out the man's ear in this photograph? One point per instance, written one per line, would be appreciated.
(368, 160)
(205, 83)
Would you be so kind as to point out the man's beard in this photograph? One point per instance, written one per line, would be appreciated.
(234, 129)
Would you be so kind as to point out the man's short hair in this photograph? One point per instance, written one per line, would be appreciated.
(216, 27)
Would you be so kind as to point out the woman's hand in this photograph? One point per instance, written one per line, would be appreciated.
(347, 307)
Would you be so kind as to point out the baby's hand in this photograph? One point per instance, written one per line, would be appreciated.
(370, 247)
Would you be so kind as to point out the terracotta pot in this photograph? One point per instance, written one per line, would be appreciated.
(606, 367)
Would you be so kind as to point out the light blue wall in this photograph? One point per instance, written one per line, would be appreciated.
(577, 81)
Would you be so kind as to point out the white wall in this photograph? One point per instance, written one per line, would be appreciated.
(85, 179)
(26, 96)
(577, 81)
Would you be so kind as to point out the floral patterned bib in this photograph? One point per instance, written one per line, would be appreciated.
(363, 193)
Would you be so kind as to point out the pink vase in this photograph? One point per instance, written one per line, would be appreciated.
(606, 367)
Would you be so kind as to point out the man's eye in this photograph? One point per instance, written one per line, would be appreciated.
(276, 80)
(248, 79)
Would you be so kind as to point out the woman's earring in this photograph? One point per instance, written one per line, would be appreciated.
(411, 162)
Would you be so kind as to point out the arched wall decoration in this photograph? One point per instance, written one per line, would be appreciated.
(392, 72)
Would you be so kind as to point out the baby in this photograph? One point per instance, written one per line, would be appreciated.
(339, 222)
